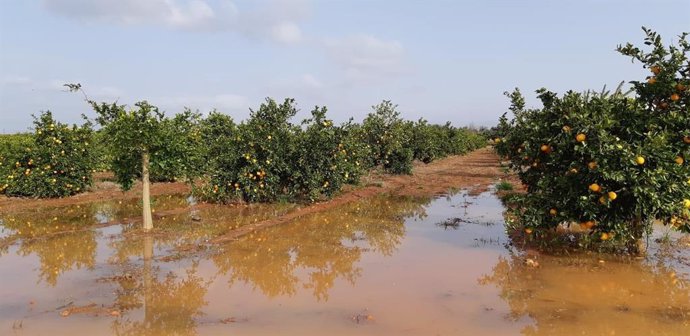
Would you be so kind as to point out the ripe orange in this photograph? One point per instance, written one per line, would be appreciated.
(686, 139)
(594, 187)
(675, 97)
(545, 148)
(655, 69)
(612, 195)
(592, 165)
(639, 160)
(528, 230)
(679, 160)
(553, 212)
(651, 80)
(605, 236)
(580, 137)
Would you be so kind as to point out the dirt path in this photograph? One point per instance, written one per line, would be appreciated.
(475, 171)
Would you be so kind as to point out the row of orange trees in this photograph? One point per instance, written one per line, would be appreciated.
(265, 158)
(271, 158)
(613, 162)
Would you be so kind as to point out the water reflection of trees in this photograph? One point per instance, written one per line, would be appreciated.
(581, 295)
(180, 229)
(62, 237)
(167, 303)
(56, 237)
(314, 251)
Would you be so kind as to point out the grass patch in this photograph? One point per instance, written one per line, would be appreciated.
(504, 186)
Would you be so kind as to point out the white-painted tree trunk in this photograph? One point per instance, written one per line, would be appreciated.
(146, 193)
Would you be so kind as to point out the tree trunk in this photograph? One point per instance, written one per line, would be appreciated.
(146, 193)
(636, 245)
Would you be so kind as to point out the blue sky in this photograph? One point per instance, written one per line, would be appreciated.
(437, 59)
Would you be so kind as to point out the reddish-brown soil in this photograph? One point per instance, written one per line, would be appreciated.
(102, 190)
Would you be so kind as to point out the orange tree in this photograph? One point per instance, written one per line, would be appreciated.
(430, 142)
(326, 158)
(55, 161)
(143, 137)
(611, 162)
(253, 163)
(388, 136)
(12, 147)
(267, 157)
(180, 155)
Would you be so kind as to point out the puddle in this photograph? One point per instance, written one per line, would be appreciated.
(380, 266)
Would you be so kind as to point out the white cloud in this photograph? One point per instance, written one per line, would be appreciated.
(132, 12)
(286, 32)
(365, 57)
(275, 20)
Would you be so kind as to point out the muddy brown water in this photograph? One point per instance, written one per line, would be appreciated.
(379, 266)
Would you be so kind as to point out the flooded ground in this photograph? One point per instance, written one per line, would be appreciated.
(378, 266)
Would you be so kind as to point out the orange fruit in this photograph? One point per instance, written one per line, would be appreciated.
(545, 148)
(612, 195)
(680, 87)
(605, 236)
(594, 187)
(679, 160)
(675, 97)
(580, 137)
(655, 69)
(528, 230)
(639, 160)
(651, 80)
(686, 139)
(592, 165)
(553, 212)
